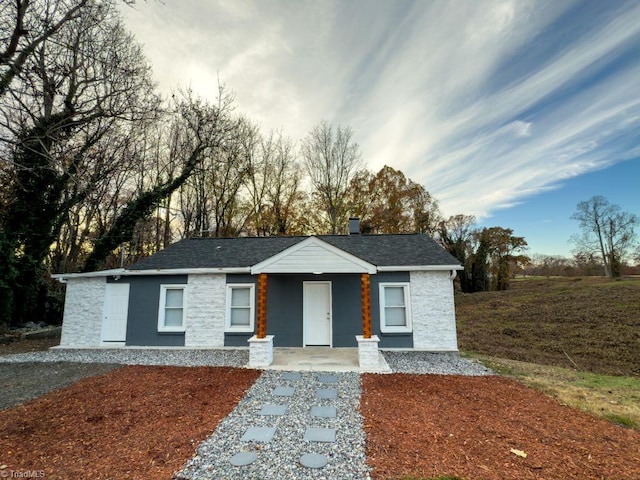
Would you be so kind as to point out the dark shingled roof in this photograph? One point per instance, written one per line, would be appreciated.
(379, 250)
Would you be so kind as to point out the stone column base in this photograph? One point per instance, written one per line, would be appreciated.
(260, 351)
(368, 352)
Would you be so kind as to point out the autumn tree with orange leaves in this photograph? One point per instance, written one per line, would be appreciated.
(389, 202)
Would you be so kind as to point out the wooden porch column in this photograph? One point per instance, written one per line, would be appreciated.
(365, 294)
(262, 306)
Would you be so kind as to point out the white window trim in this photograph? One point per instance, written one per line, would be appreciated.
(252, 311)
(161, 307)
(407, 308)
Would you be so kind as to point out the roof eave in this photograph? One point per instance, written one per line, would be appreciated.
(418, 268)
(164, 271)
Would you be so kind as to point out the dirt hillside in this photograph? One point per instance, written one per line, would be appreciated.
(591, 324)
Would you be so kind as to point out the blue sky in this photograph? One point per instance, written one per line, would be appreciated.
(510, 110)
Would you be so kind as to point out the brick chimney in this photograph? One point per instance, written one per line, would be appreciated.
(354, 226)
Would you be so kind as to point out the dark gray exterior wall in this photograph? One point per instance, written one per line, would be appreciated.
(285, 309)
(347, 310)
(387, 340)
(142, 318)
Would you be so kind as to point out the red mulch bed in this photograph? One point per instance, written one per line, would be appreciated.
(135, 422)
(426, 426)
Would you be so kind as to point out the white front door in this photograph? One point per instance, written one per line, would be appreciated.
(116, 306)
(317, 313)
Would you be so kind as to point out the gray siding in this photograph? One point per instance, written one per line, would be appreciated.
(285, 307)
(347, 310)
(142, 320)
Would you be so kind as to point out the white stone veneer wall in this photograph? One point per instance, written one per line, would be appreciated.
(83, 312)
(433, 311)
(205, 316)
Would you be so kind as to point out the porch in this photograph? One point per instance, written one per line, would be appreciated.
(323, 359)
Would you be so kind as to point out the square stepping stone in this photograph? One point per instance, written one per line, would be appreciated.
(326, 393)
(283, 391)
(242, 459)
(313, 434)
(313, 460)
(291, 376)
(325, 412)
(273, 410)
(258, 434)
(328, 379)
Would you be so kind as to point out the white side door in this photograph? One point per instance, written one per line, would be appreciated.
(317, 313)
(116, 306)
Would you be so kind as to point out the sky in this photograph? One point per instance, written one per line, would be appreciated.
(509, 110)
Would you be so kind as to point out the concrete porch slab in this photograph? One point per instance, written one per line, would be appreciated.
(322, 359)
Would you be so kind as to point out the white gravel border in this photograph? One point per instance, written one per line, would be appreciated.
(427, 363)
(183, 357)
(446, 363)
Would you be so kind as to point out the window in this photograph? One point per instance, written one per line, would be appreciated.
(240, 307)
(171, 310)
(395, 313)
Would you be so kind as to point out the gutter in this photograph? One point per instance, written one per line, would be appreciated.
(123, 272)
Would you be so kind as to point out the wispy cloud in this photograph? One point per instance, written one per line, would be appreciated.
(484, 103)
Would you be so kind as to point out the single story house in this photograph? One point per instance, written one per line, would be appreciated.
(315, 290)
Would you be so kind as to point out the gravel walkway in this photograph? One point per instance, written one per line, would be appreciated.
(279, 457)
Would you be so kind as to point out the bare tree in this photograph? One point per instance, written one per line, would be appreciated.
(66, 90)
(204, 131)
(275, 188)
(213, 200)
(331, 159)
(124, 152)
(606, 230)
(284, 194)
(550, 265)
(25, 26)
